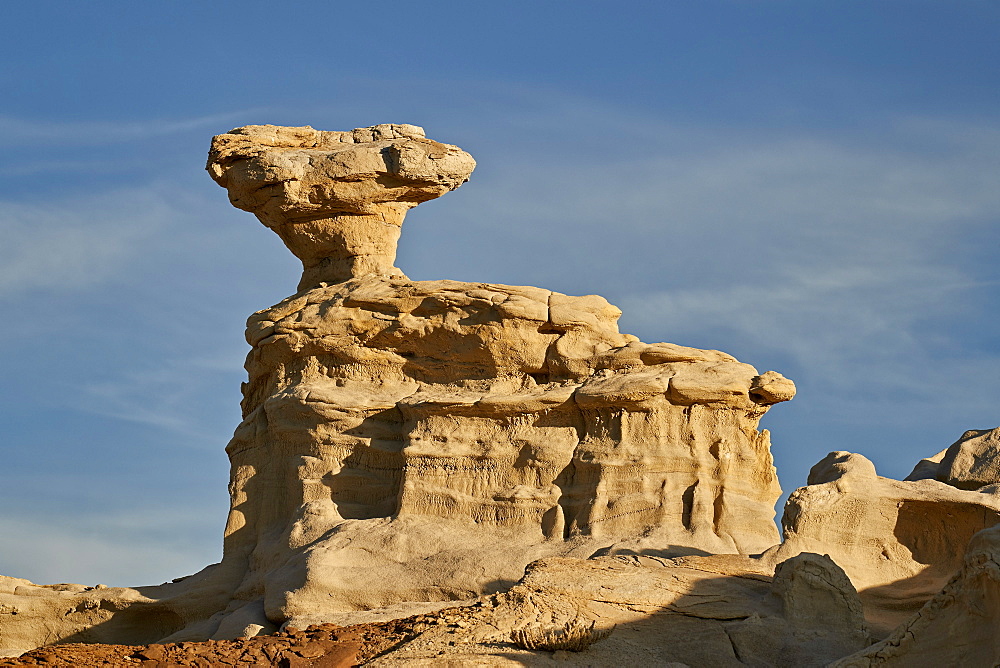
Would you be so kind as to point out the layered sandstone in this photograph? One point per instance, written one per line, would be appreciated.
(899, 541)
(409, 443)
(430, 438)
(337, 199)
(957, 627)
(719, 612)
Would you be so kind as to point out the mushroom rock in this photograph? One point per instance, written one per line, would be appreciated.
(424, 440)
(337, 199)
(409, 443)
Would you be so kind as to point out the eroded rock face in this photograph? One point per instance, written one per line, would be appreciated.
(899, 541)
(337, 199)
(411, 442)
(957, 627)
(430, 438)
(971, 462)
(511, 412)
(717, 611)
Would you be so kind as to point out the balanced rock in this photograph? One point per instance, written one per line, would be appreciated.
(337, 199)
(406, 444)
(430, 438)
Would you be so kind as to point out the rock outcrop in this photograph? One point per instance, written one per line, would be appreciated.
(899, 541)
(407, 445)
(972, 462)
(337, 199)
(957, 627)
(433, 437)
(410, 443)
(717, 611)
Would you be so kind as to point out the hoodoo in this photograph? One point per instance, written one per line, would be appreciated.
(337, 199)
(410, 443)
(424, 440)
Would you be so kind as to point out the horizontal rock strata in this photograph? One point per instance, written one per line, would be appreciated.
(417, 442)
(720, 611)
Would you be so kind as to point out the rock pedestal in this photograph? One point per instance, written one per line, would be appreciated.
(422, 440)
(409, 443)
(337, 199)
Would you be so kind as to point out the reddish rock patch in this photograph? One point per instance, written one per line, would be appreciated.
(323, 646)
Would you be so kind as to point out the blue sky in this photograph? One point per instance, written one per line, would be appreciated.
(810, 186)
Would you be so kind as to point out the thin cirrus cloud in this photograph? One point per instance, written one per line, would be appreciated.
(166, 395)
(793, 220)
(142, 547)
(853, 263)
(21, 132)
(70, 245)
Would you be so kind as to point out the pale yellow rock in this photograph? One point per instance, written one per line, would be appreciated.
(957, 627)
(973, 461)
(898, 541)
(409, 443)
(695, 611)
(337, 199)
(843, 466)
(927, 468)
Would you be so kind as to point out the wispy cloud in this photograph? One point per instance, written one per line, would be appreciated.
(146, 546)
(168, 394)
(21, 132)
(75, 244)
(847, 254)
(840, 253)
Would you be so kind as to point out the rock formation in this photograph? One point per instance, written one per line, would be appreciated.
(958, 627)
(972, 462)
(407, 445)
(422, 441)
(718, 611)
(899, 541)
(430, 438)
(337, 199)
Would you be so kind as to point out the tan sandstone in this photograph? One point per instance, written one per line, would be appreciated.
(407, 444)
(720, 611)
(899, 541)
(957, 627)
